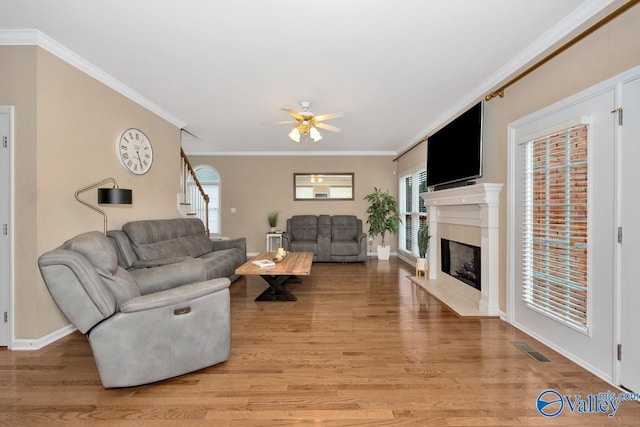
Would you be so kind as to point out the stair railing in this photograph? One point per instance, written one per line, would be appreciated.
(193, 195)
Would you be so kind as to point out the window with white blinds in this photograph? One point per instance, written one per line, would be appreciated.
(412, 209)
(555, 225)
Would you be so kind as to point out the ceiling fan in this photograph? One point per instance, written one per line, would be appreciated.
(306, 123)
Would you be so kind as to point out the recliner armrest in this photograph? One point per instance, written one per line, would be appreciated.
(240, 242)
(179, 295)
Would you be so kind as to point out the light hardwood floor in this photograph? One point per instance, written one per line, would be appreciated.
(362, 346)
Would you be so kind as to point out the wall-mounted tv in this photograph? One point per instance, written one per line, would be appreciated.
(454, 153)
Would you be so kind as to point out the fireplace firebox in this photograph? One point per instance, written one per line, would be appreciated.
(461, 261)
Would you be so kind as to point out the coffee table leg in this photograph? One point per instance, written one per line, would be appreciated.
(294, 279)
(276, 290)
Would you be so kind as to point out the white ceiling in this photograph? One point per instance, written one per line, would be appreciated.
(223, 68)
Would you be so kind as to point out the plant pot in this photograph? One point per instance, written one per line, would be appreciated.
(383, 252)
(422, 266)
(272, 230)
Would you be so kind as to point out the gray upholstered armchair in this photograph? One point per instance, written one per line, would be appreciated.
(144, 326)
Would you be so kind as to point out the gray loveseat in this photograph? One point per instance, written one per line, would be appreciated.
(152, 243)
(337, 238)
(143, 326)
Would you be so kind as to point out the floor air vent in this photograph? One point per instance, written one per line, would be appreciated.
(532, 352)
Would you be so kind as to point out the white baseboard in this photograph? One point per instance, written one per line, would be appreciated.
(405, 258)
(37, 344)
(575, 359)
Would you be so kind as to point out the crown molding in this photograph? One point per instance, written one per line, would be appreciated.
(31, 37)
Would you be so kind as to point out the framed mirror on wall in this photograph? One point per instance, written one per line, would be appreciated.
(323, 186)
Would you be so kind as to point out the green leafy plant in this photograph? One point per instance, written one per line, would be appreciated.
(273, 218)
(384, 216)
(423, 240)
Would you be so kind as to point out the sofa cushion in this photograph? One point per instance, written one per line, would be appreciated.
(304, 246)
(304, 227)
(345, 248)
(170, 238)
(122, 285)
(344, 227)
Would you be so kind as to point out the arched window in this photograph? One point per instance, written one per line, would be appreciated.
(210, 180)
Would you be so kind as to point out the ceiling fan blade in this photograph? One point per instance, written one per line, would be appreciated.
(328, 127)
(285, 122)
(293, 113)
(322, 117)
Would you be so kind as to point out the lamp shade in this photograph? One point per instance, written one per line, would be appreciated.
(315, 135)
(114, 196)
(295, 134)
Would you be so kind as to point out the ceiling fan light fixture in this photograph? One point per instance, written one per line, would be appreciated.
(295, 134)
(306, 122)
(315, 135)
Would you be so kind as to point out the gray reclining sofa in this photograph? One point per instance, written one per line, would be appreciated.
(143, 326)
(156, 242)
(337, 238)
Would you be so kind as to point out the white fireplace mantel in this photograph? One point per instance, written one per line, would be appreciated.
(475, 206)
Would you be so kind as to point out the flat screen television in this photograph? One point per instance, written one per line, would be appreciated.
(454, 153)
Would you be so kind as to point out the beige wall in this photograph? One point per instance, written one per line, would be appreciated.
(257, 185)
(605, 53)
(66, 124)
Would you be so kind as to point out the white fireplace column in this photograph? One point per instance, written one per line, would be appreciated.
(476, 206)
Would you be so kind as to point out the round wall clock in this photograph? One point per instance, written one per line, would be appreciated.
(134, 151)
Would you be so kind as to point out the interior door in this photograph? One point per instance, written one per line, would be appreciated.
(5, 242)
(629, 374)
(594, 348)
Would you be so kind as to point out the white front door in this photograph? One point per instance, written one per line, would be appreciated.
(5, 209)
(629, 374)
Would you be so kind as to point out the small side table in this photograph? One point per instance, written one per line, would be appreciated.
(274, 241)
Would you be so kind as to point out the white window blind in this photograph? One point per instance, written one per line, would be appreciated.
(555, 225)
(412, 210)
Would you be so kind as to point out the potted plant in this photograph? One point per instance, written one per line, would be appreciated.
(383, 217)
(272, 219)
(423, 246)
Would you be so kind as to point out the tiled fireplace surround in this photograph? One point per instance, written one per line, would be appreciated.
(468, 215)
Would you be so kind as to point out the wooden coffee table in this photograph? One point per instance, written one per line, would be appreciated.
(293, 265)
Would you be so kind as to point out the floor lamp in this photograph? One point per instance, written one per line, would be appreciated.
(109, 196)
